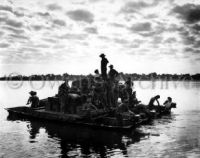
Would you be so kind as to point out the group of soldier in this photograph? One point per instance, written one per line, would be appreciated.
(103, 90)
(99, 91)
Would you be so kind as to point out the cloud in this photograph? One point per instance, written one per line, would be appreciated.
(190, 13)
(29, 49)
(6, 8)
(189, 40)
(189, 29)
(140, 52)
(197, 43)
(104, 38)
(136, 43)
(37, 27)
(117, 25)
(197, 51)
(11, 22)
(81, 15)
(59, 22)
(1, 33)
(74, 36)
(59, 46)
(95, 1)
(49, 40)
(46, 14)
(132, 7)
(196, 28)
(10, 9)
(37, 32)
(14, 23)
(152, 16)
(53, 7)
(192, 50)
(41, 46)
(146, 29)
(19, 12)
(13, 30)
(19, 37)
(141, 27)
(4, 45)
(157, 40)
(170, 40)
(188, 49)
(120, 41)
(37, 45)
(173, 28)
(190, 35)
(92, 30)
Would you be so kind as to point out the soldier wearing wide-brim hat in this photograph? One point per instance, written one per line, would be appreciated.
(32, 93)
(33, 99)
(102, 55)
(104, 63)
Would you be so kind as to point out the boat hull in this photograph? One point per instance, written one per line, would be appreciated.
(41, 114)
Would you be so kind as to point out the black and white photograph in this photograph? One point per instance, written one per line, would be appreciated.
(99, 78)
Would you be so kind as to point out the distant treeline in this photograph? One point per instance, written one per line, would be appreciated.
(122, 76)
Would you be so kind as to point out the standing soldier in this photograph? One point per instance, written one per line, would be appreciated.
(112, 95)
(129, 86)
(63, 95)
(104, 63)
(129, 90)
(112, 73)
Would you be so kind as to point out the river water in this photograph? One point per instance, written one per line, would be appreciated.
(177, 135)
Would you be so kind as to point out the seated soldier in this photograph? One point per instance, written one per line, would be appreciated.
(142, 110)
(123, 112)
(85, 86)
(152, 101)
(98, 92)
(33, 99)
(115, 93)
(133, 101)
(87, 107)
(74, 89)
(88, 104)
(124, 108)
(123, 94)
(97, 76)
(168, 104)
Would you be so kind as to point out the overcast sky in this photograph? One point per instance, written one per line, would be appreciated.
(57, 36)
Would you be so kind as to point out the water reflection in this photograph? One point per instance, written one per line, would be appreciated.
(76, 141)
(174, 136)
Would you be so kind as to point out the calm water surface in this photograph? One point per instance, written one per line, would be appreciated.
(177, 135)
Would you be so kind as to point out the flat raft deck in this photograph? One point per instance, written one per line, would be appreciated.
(94, 122)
